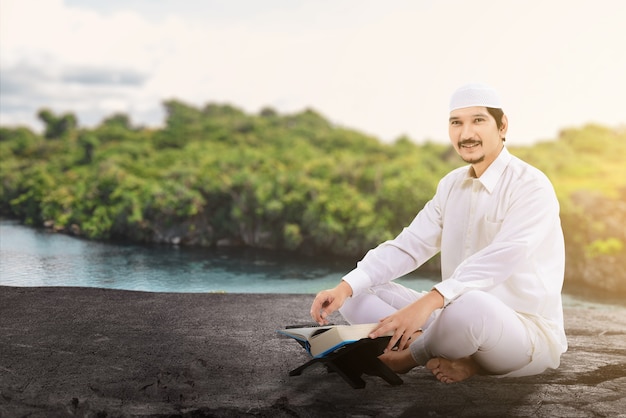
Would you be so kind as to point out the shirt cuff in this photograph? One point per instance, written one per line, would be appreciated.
(358, 281)
(450, 289)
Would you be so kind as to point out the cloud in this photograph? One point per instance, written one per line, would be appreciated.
(102, 76)
(385, 68)
(17, 81)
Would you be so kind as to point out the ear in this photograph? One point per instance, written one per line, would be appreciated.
(505, 126)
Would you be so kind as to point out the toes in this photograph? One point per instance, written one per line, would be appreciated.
(433, 364)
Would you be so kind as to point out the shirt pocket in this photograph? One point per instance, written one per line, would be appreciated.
(489, 230)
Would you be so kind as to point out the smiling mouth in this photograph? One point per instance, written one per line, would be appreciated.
(469, 144)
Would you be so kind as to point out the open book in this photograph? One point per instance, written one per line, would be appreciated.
(323, 340)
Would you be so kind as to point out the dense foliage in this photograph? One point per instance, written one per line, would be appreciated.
(219, 176)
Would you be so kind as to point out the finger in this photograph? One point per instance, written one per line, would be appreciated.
(397, 334)
(393, 340)
(314, 317)
(324, 315)
(319, 316)
(321, 309)
(385, 319)
(316, 308)
(405, 341)
(381, 329)
(328, 308)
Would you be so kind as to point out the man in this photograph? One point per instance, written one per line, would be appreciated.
(498, 308)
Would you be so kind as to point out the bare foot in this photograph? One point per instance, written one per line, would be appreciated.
(450, 371)
(400, 361)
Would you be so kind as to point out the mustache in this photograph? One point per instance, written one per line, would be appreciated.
(469, 142)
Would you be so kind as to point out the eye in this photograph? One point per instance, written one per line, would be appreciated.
(479, 120)
(455, 122)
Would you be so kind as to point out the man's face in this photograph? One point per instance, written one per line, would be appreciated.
(475, 136)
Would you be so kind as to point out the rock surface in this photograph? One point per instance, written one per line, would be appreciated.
(110, 353)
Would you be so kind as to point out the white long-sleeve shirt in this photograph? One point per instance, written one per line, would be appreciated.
(499, 233)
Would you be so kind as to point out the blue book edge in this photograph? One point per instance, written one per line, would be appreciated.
(305, 343)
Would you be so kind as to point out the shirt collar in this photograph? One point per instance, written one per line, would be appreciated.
(492, 174)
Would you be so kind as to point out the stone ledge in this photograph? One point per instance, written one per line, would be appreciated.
(98, 352)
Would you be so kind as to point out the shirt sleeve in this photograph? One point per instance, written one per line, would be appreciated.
(415, 245)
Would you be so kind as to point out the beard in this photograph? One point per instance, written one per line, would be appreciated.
(474, 160)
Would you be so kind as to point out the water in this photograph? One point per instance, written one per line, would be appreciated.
(31, 257)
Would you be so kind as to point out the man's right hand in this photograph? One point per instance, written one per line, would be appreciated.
(328, 301)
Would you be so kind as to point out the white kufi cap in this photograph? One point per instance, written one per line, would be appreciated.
(474, 95)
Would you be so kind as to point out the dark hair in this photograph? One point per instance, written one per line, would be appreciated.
(497, 114)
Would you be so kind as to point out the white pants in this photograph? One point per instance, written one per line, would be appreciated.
(475, 324)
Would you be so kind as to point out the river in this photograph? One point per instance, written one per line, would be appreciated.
(34, 257)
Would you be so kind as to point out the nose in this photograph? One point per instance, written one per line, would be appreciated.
(467, 131)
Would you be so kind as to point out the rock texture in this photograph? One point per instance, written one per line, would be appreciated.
(108, 353)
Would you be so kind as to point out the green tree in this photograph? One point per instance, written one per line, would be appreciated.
(57, 126)
(295, 182)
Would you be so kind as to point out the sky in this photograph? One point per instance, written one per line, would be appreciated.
(385, 68)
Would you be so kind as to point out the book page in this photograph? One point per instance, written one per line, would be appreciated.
(303, 334)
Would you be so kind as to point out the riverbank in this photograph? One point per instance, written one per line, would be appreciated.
(99, 352)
